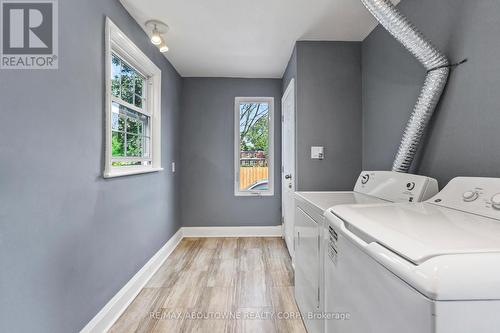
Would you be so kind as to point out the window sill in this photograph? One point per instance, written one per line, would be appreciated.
(121, 173)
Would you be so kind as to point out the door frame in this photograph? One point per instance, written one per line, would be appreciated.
(289, 90)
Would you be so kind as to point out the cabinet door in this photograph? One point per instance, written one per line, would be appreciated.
(307, 267)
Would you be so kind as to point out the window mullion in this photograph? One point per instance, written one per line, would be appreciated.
(130, 106)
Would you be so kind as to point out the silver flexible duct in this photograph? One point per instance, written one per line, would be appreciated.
(436, 64)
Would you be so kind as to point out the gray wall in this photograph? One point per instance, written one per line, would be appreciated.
(290, 71)
(207, 164)
(69, 240)
(463, 139)
(328, 113)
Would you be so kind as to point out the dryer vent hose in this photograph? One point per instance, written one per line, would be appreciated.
(438, 69)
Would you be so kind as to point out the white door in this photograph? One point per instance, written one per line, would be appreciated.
(288, 163)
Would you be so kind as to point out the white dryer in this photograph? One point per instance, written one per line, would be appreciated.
(371, 187)
(431, 267)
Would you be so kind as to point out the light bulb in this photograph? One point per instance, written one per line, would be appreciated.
(155, 37)
(163, 46)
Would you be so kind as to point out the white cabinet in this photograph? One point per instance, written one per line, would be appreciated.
(307, 268)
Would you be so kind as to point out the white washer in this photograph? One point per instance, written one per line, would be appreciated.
(371, 187)
(431, 267)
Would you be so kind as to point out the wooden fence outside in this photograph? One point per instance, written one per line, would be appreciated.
(250, 175)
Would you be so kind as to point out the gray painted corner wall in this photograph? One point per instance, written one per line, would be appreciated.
(207, 164)
(463, 137)
(328, 113)
(69, 240)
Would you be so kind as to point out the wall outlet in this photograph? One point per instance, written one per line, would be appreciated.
(173, 167)
(317, 153)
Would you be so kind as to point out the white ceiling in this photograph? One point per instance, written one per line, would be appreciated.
(251, 38)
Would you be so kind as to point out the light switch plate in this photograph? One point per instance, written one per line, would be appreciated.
(173, 167)
(317, 152)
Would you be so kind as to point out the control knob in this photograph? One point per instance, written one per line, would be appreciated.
(470, 196)
(495, 201)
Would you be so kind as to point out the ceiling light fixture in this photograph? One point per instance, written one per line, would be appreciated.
(155, 37)
(158, 29)
(163, 45)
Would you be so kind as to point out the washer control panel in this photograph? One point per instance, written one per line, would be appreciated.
(474, 195)
(396, 186)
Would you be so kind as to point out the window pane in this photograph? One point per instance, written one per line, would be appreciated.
(138, 101)
(117, 118)
(254, 146)
(118, 144)
(133, 125)
(115, 115)
(134, 145)
(121, 122)
(130, 133)
(139, 90)
(139, 84)
(115, 76)
(127, 84)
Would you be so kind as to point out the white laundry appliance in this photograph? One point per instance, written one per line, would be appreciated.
(371, 187)
(431, 267)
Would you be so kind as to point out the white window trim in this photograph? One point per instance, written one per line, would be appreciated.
(117, 42)
(259, 193)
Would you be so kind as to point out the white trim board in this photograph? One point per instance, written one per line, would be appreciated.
(273, 231)
(103, 321)
(108, 315)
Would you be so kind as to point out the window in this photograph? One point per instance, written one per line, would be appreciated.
(133, 108)
(254, 146)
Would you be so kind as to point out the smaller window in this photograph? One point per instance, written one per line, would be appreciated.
(133, 107)
(254, 146)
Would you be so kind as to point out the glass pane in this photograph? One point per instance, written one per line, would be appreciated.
(138, 101)
(254, 146)
(133, 125)
(127, 84)
(134, 145)
(118, 144)
(130, 132)
(139, 84)
(115, 114)
(115, 75)
(121, 123)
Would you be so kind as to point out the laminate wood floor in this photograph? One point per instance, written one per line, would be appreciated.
(217, 285)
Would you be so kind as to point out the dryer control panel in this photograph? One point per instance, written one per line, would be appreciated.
(396, 186)
(475, 195)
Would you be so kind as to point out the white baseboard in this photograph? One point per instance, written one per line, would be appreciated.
(273, 231)
(103, 321)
